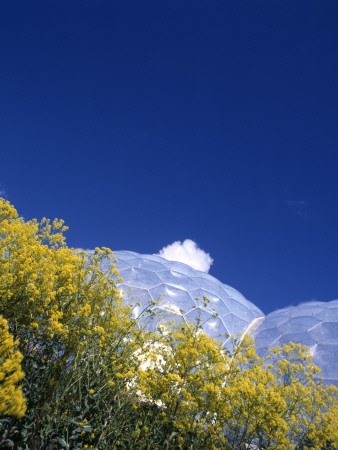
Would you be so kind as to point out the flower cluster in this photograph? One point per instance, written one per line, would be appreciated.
(12, 401)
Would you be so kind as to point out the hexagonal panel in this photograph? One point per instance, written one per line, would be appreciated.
(215, 302)
(141, 278)
(170, 295)
(176, 279)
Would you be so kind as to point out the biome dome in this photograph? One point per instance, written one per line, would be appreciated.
(177, 285)
(151, 277)
(314, 324)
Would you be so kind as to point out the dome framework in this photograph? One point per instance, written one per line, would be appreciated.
(175, 286)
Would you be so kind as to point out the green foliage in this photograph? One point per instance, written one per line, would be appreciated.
(94, 379)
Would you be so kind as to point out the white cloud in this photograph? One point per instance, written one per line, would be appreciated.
(189, 253)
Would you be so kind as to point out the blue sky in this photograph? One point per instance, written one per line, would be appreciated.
(142, 123)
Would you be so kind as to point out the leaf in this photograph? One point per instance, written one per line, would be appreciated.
(75, 437)
(87, 428)
(73, 422)
(62, 442)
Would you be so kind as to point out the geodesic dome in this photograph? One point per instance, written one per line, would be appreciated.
(176, 285)
(314, 324)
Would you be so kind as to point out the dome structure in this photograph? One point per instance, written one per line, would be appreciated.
(314, 324)
(177, 286)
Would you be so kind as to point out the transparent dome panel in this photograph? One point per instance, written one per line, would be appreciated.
(177, 279)
(200, 314)
(146, 264)
(215, 302)
(301, 323)
(233, 293)
(325, 333)
(324, 357)
(235, 324)
(272, 322)
(180, 267)
(241, 311)
(155, 258)
(333, 305)
(134, 294)
(124, 254)
(331, 348)
(122, 264)
(140, 277)
(166, 315)
(169, 295)
(327, 314)
(267, 338)
(216, 329)
(332, 329)
(124, 290)
(305, 310)
(301, 338)
(215, 288)
(330, 371)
